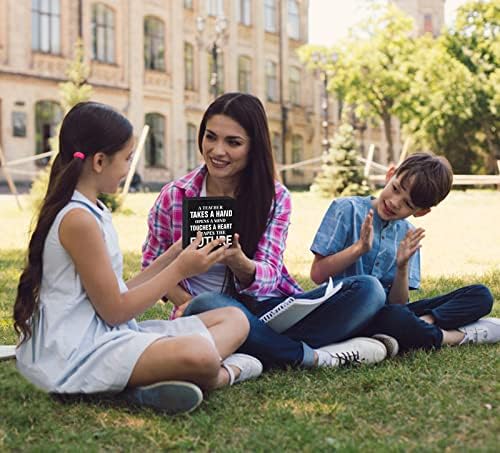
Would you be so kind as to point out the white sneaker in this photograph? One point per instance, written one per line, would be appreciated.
(483, 331)
(171, 397)
(390, 343)
(354, 351)
(250, 367)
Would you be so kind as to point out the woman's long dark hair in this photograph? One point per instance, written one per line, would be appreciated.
(255, 194)
(89, 127)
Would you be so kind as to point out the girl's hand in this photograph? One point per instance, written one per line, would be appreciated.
(180, 310)
(366, 234)
(173, 251)
(408, 246)
(195, 261)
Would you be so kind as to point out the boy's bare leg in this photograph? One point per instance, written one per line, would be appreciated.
(450, 337)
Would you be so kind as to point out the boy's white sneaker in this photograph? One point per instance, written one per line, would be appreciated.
(355, 351)
(250, 367)
(390, 343)
(171, 397)
(483, 331)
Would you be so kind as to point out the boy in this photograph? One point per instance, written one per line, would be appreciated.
(371, 236)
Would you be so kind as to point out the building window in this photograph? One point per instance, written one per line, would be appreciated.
(271, 81)
(215, 7)
(103, 33)
(48, 115)
(297, 153)
(188, 66)
(270, 16)
(294, 85)
(428, 24)
(220, 73)
(293, 19)
(192, 157)
(155, 143)
(244, 74)
(46, 26)
(154, 44)
(277, 147)
(188, 4)
(245, 12)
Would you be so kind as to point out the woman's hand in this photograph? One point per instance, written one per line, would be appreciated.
(234, 255)
(243, 267)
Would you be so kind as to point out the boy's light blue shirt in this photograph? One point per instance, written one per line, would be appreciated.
(341, 228)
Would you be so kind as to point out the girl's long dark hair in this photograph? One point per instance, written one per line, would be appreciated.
(255, 194)
(89, 127)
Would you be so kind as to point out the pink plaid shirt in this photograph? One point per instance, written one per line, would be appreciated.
(165, 227)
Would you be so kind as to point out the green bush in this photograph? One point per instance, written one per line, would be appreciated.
(341, 174)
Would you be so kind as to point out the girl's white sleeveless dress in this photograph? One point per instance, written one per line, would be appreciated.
(73, 350)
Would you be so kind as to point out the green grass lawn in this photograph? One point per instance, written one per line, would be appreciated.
(447, 400)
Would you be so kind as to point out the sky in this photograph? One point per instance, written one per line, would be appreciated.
(329, 20)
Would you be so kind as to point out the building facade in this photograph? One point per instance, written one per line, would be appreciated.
(153, 60)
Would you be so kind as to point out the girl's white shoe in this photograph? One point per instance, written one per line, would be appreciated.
(250, 367)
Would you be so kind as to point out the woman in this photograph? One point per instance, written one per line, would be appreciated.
(235, 144)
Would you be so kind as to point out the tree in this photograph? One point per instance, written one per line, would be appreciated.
(75, 90)
(373, 70)
(438, 105)
(474, 40)
(341, 174)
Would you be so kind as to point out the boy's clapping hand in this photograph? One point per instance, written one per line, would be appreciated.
(366, 234)
(408, 246)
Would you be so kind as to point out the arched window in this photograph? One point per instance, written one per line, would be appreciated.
(277, 148)
(244, 12)
(270, 16)
(155, 143)
(293, 19)
(297, 153)
(48, 115)
(215, 7)
(220, 73)
(192, 146)
(46, 26)
(271, 81)
(294, 86)
(244, 74)
(103, 33)
(188, 66)
(154, 44)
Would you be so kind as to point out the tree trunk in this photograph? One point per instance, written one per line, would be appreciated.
(387, 119)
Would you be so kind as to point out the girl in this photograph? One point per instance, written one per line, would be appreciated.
(236, 148)
(74, 312)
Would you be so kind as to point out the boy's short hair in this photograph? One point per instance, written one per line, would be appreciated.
(430, 178)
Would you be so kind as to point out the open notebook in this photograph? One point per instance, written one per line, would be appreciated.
(292, 310)
(7, 352)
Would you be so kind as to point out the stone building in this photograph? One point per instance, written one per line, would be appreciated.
(150, 60)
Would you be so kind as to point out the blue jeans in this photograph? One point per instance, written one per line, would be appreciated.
(342, 316)
(450, 311)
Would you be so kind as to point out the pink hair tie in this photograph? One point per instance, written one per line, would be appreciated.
(78, 155)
